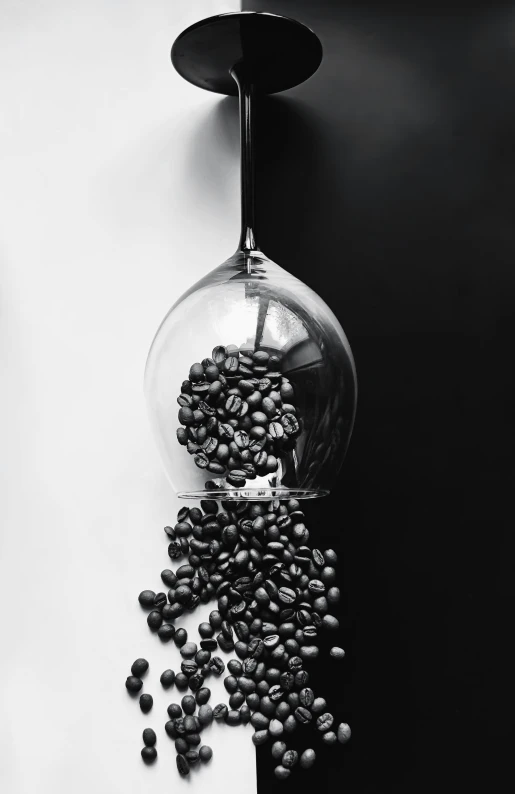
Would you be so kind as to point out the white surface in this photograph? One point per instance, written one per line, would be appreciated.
(118, 189)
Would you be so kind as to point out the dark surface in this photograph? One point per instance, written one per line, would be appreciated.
(277, 53)
(386, 182)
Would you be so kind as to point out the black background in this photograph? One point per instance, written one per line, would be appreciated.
(386, 183)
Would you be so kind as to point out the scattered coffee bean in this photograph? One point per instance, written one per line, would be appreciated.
(145, 703)
(205, 753)
(139, 667)
(182, 765)
(149, 737)
(344, 732)
(149, 754)
(167, 678)
(307, 759)
(133, 683)
(337, 653)
(146, 599)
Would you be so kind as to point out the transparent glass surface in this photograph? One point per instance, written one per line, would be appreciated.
(251, 304)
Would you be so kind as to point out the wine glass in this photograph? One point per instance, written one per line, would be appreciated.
(250, 380)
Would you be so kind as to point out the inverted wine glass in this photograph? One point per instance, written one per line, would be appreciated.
(250, 381)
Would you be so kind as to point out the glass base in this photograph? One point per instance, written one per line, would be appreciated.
(255, 494)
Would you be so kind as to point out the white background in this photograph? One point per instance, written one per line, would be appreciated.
(118, 190)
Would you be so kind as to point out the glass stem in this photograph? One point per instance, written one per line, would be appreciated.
(246, 93)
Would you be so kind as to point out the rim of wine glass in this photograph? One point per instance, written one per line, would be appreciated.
(255, 494)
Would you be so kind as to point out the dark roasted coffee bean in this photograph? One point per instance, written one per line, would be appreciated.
(290, 758)
(188, 704)
(324, 721)
(205, 630)
(166, 632)
(189, 667)
(203, 695)
(182, 765)
(196, 681)
(203, 656)
(188, 650)
(133, 683)
(216, 665)
(170, 729)
(278, 750)
(139, 667)
(167, 678)
(182, 436)
(344, 733)
(282, 710)
(260, 737)
(275, 692)
(169, 578)
(287, 595)
(309, 652)
(337, 653)
(174, 711)
(306, 697)
(149, 754)
(236, 700)
(307, 758)
(233, 717)
(287, 681)
(154, 620)
(145, 703)
(302, 714)
(181, 637)
(281, 772)
(290, 724)
(149, 737)
(220, 711)
(205, 714)
(205, 753)
(146, 598)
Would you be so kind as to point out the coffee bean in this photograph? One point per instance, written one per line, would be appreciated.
(330, 622)
(307, 759)
(216, 665)
(278, 750)
(233, 717)
(145, 703)
(149, 754)
(146, 599)
(329, 737)
(309, 652)
(166, 632)
(167, 678)
(260, 737)
(236, 700)
(290, 724)
(205, 714)
(324, 721)
(133, 683)
(275, 728)
(188, 650)
(302, 715)
(205, 753)
(281, 772)
(307, 697)
(344, 732)
(220, 711)
(289, 758)
(182, 436)
(139, 667)
(174, 711)
(149, 737)
(188, 704)
(182, 765)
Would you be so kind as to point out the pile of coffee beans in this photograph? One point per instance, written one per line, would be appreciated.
(274, 596)
(237, 414)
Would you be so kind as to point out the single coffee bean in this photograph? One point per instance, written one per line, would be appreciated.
(290, 758)
(290, 724)
(149, 754)
(202, 696)
(302, 714)
(259, 721)
(174, 711)
(220, 711)
(192, 757)
(188, 650)
(324, 721)
(149, 737)
(216, 665)
(275, 728)
(233, 717)
(329, 737)
(159, 600)
(278, 750)
(133, 683)
(182, 765)
(260, 737)
(205, 714)
(307, 758)
(189, 667)
(166, 632)
(281, 772)
(309, 652)
(337, 653)
(139, 667)
(145, 703)
(188, 704)
(146, 598)
(181, 637)
(307, 697)
(167, 678)
(205, 753)
(344, 732)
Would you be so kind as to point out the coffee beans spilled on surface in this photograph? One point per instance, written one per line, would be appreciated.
(237, 415)
(274, 593)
